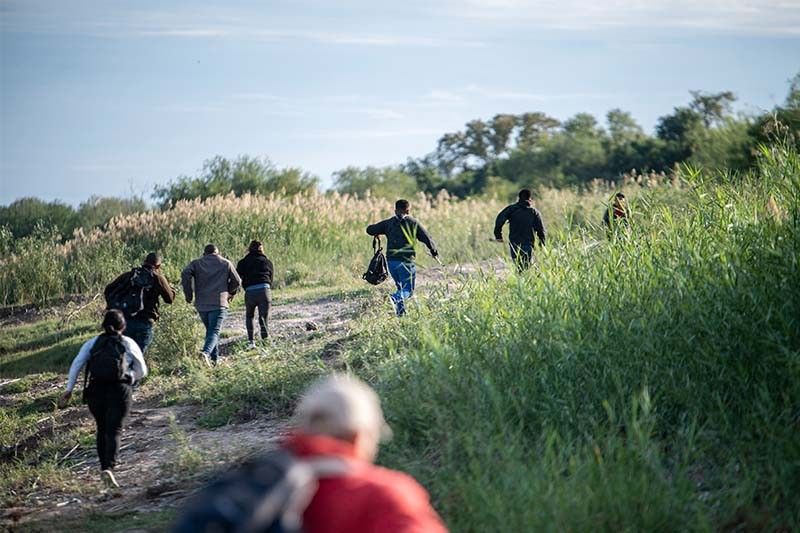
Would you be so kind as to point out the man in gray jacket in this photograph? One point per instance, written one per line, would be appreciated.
(211, 281)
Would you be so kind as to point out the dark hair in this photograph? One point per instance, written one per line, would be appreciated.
(113, 322)
(254, 246)
(525, 194)
(153, 259)
(401, 205)
(210, 249)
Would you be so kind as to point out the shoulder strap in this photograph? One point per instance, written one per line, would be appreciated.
(290, 498)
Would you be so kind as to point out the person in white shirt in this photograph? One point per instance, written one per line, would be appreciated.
(114, 363)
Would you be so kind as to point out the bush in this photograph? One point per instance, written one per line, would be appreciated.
(649, 383)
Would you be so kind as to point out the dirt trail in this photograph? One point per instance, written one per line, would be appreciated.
(162, 446)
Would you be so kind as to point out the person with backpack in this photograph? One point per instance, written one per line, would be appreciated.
(113, 364)
(524, 221)
(321, 479)
(256, 270)
(211, 282)
(136, 293)
(402, 231)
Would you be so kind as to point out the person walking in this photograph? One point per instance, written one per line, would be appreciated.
(322, 478)
(148, 285)
(402, 231)
(211, 282)
(256, 270)
(114, 363)
(617, 213)
(524, 221)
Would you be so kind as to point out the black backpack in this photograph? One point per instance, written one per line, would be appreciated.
(106, 362)
(268, 494)
(377, 272)
(128, 296)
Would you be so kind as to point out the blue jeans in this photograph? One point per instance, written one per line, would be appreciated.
(140, 331)
(404, 275)
(521, 255)
(212, 320)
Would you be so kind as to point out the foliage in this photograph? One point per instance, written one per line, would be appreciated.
(535, 150)
(23, 216)
(649, 382)
(239, 176)
(313, 239)
(386, 182)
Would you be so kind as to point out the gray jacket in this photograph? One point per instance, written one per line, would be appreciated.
(212, 279)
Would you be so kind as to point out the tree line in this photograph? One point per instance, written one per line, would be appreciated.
(493, 156)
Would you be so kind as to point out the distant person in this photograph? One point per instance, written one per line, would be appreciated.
(322, 478)
(211, 281)
(114, 363)
(256, 270)
(143, 286)
(523, 220)
(402, 231)
(617, 212)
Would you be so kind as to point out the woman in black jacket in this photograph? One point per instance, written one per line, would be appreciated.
(256, 273)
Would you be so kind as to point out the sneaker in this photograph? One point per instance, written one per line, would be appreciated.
(108, 479)
(251, 345)
(206, 358)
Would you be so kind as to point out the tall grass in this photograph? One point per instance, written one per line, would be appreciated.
(313, 239)
(648, 383)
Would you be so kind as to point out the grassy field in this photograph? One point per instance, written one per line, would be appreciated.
(641, 380)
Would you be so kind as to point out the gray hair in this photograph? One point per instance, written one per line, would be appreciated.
(341, 406)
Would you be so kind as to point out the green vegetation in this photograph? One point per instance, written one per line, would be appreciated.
(243, 175)
(643, 379)
(648, 383)
(22, 217)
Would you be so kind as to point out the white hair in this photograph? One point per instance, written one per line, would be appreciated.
(341, 406)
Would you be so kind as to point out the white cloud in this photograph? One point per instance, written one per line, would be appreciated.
(775, 17)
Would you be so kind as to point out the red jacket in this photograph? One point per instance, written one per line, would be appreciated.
(368, 499)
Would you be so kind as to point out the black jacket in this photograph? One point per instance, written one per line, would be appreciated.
(161, 287)
(254, 268)
(524, 220)
(400, 234)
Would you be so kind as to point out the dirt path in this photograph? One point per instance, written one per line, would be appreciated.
(164, 452)
(165, 455)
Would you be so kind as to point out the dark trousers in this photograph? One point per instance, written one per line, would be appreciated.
(110, 405)
(141, 331)
(257, 299)
(521, 255)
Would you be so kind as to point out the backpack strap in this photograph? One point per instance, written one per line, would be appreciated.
(290, 498)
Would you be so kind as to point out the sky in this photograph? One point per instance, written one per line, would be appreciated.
(111, 97)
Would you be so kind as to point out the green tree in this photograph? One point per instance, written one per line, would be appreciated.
(98, 210)
(242, 175)
(712, 107)
(501, 126)
(386, 182)
(534, 127)
(22, 216)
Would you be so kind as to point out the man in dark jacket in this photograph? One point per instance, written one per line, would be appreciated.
(523, 220)
(140, 324)
(402, 231)
(255, 269)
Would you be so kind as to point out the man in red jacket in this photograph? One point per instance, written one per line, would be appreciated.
(328, 457)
